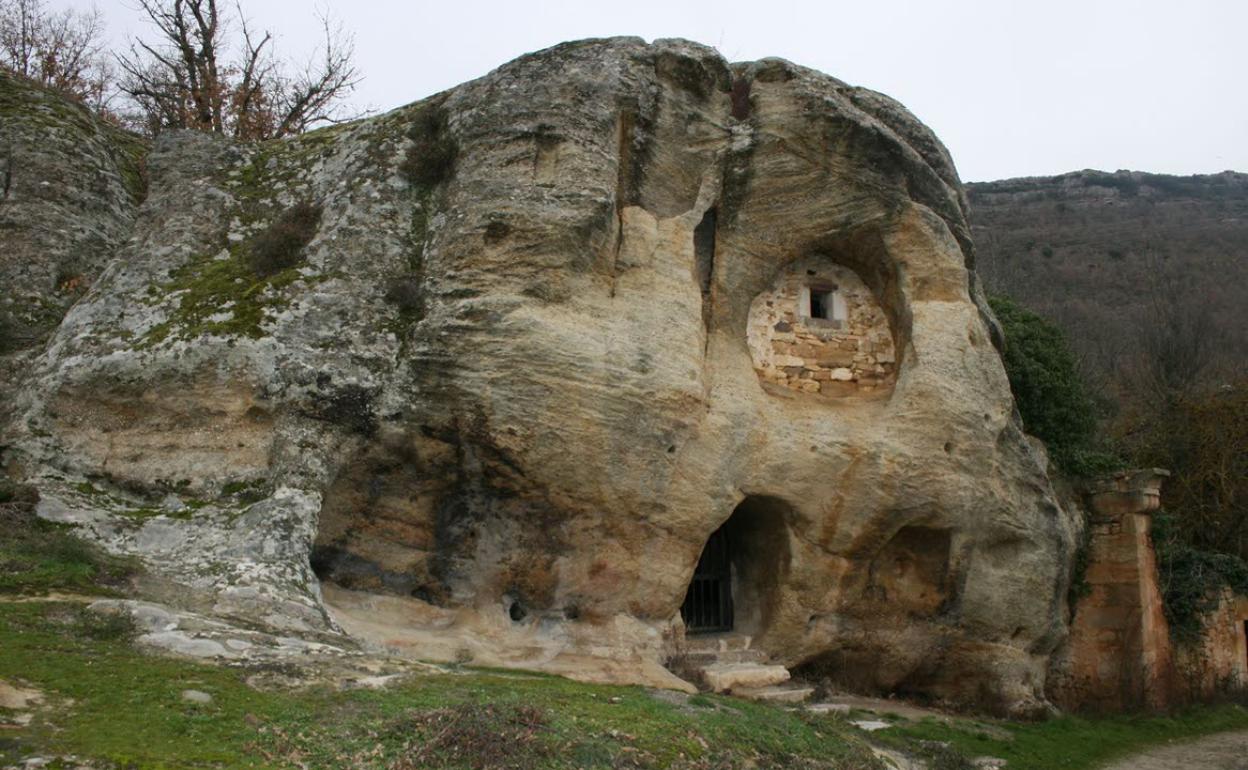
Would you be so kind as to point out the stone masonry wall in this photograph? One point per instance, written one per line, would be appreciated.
(1217, 662)
(808, 355)
(1119, 655)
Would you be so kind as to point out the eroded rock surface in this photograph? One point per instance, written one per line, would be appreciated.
(70, 187)
(507, 391)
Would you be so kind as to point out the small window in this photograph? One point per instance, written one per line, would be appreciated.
(821, 304)
(825, 304)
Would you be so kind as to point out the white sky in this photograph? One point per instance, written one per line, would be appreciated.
(1013, 88)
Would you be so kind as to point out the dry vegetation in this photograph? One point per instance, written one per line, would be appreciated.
(200, 65)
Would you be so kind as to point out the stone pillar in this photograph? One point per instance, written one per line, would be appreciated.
(1118, 655)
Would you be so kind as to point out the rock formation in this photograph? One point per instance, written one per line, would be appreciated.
(537, 346)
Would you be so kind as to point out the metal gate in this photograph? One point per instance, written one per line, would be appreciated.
(708, 604)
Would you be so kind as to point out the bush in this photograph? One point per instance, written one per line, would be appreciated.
(12, 492)
(431, 156)
(1202, 439)
(1192, 579)
(481, 736)
(405, 294)
(280, 246)
(1050, 394)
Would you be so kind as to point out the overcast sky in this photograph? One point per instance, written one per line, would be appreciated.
(1013, 88)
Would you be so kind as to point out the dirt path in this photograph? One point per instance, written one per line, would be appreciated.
(1222, 751)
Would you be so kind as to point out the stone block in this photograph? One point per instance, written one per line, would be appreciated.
(724, 677)
(832, 358)
(781, 694)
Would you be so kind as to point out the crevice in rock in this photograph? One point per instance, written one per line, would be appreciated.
(625, 184)
(704, 262)
(546, 154)
(6, 178)
(737, 173)
(741, 98)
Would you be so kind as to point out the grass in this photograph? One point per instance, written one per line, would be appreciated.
(38, 556)
(114, 704)
(431, 156)
(1068, 742)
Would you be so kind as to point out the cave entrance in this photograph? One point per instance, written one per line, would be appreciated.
(708, 602)
(739, 573)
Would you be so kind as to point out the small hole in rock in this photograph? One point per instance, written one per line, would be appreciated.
(571, 612)
(671, 449)
(810, 272)
(516, 612)
(948, 447)
(496, 231)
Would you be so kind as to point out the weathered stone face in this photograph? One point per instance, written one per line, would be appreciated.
(526, 388)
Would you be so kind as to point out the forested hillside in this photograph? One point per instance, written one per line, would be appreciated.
(1148, 277)
(1131, 265)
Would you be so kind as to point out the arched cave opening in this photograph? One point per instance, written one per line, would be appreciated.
(736, 583)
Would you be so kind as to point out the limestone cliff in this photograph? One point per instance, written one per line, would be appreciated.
(70, 185)
(552, 329)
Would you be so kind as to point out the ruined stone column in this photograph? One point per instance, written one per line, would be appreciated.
(1118, 655)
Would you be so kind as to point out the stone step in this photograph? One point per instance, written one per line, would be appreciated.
(718, 643)
(785, 693)
(732, 656)
(724, 677)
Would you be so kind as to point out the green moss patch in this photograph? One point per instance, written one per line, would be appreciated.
(222, 297)
(38, 556)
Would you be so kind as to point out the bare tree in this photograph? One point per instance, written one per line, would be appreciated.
(62, 50)
(188, 77)
(1180, 338)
